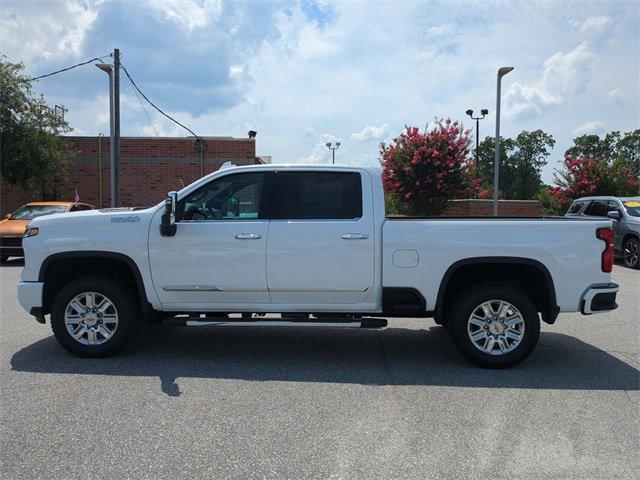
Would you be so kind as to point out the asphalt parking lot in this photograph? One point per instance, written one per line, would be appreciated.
(184, 402)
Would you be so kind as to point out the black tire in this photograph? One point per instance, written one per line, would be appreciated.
(123, 298)
(631, 253)
(4, 258)
(471, 299)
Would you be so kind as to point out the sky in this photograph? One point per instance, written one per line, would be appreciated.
(302, 73)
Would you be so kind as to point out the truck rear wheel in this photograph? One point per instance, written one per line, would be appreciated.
(93, 316)
(494, 325)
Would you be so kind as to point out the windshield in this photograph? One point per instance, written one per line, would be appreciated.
(632, 207)
(29, 212)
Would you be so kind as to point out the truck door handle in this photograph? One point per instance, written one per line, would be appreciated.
(354, 236)
(248, 236)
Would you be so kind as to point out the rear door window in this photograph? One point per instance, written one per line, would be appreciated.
(597, 208)
(318, 195)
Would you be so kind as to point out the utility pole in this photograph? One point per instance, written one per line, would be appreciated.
(116, 127)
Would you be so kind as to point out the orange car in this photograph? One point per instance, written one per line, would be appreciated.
(13, 225)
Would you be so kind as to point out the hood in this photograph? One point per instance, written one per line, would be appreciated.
(93, 218)
(12, 228)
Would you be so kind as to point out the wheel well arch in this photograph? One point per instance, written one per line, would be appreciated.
(60, 268)
(527, 274)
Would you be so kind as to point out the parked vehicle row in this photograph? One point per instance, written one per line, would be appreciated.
(625, 213)
(313, 244)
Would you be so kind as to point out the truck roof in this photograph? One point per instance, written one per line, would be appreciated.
(314, 166)
(606, 197)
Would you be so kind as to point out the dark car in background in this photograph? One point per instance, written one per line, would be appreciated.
(625, 212)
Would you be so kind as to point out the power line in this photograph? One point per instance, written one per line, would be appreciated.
(145, 112)
(154, 106)
(66, 69)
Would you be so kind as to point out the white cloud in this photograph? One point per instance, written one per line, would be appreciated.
(592, 25)
(320, 152)
(617, 96)
(236, 70)
(371, 133)
(564, 75)
(45, 31)
(589, 127)
(188, 14)
(439, 30)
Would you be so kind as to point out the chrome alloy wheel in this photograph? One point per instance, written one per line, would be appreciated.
(496, 327)
(631, 252)
(91, 318)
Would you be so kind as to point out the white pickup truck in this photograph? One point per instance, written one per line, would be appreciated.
(313, 244)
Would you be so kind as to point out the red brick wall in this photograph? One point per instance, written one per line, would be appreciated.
(149, 168)
(484, 208)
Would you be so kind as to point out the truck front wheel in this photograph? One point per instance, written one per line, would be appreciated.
(494, 325)
(94, 316)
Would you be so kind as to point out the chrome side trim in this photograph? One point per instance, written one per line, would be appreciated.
(297, 289)
(192, 288)
(212, 288)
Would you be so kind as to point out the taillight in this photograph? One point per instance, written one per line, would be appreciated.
(606, 234)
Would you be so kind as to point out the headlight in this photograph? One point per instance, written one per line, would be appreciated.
(30, 232)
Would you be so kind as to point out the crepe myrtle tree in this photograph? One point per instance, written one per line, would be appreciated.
(421, 171)
(588, 175)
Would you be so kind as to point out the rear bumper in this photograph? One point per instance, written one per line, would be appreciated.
(599, 298)
(30, 296)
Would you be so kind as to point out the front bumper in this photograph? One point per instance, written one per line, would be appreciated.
(11, 246)
(30, 296)
(599, 298)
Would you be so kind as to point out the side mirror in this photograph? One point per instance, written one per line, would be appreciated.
(614, 215)
(8, 215)
(168, 225)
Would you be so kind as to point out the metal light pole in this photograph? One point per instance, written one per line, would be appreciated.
(333, 150)
(484, 112)
(100, 135)
(502, 71)
(112, 133)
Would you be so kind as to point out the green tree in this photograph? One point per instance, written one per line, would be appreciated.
(624, 148)
(32, 153)
(529, 158)
(628, 150)
(486, 158)
(521, 162)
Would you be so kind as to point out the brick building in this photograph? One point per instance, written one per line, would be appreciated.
(484, 208)
(149, 168)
